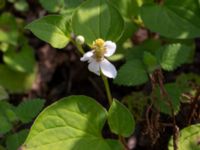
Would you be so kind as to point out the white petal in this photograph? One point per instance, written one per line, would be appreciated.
(87, 56)
(108, 69)
(94, 66)
(110, 48)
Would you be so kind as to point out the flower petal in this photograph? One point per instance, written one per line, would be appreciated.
(94, 66)
(108, 69)
(87, 56)
(110, 48)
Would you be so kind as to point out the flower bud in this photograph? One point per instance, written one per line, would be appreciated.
(80, 40)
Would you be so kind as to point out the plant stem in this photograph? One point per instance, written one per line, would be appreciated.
(107, 87)
(79, 47)
(109, 96)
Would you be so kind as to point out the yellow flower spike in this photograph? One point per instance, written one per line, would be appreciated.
(97, 58)
(99, 49)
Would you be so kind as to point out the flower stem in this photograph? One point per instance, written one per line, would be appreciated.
(79, 47)
(109, 96)
(107, 87)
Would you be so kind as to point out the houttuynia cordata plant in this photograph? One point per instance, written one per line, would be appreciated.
(132, 44)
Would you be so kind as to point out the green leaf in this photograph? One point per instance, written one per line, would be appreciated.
(8, 29)
(125, 7)
(97, 19)
(162, 103)
(53, 29)
(3, 94)
(120, 120)
(173, 55)
(22, 61)
(137, 52)
(52, 5)
(70, 6)
(15, 140)
(29, 109)
(129, 29)
(175, 19)
(74, 122)
(21, 5)
(7, 116)
(8, 111)
(131, 74)
(150, 61)
(16, 81)
(188, 139)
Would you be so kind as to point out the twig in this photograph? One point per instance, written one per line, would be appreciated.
(194, 105)
(165, 94)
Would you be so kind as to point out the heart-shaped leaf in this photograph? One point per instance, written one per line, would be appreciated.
(120, 119)
(189, 138)
(53, 29)
(97, 19)
(74, 122)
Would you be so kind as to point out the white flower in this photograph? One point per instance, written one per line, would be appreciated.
(96, 58)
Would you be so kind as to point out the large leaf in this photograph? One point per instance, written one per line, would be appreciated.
(74, 122)
(131, 74)
(22, 61)
(120, 119)
(28, 109)
(14, 141)
(188, 139)
(97, 19)
(173, 55)
(15, 81)
(174, 19)
(53, 29)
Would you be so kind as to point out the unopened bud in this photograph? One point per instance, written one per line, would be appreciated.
(80, 40)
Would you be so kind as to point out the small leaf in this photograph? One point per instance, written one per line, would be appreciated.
(188, 139)
(15, 140)
(22, 61)
(16, 81)
(150, 61)
(74, 122)
(137, 52)
(5, 125)
(173, 55)
(7, 116)
(120, 119)
(52, 5)
(162, 103)
(175, 19)
(53, 29)
(28, 109)
(3, 94)
(21, 5)
(97, 19)
(131, 74)
(8, 29)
